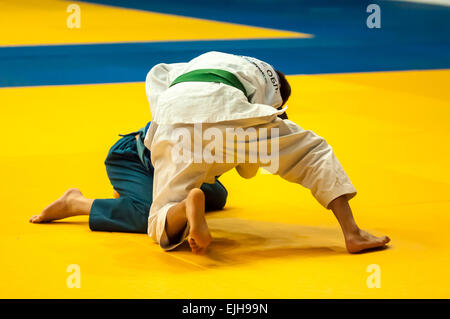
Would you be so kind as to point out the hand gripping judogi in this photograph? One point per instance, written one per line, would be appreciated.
(224, 93)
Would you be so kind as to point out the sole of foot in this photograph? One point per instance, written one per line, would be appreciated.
(199, 237)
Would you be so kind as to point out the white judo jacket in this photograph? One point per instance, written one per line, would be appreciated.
(204, 102)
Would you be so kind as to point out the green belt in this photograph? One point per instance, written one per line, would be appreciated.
(211, 75)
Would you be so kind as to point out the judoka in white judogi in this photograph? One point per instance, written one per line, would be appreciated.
(196, 107)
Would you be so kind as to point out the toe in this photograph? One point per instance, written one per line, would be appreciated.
(193, 244)
(38, 219)
(199, 251)
(382, 241)
(33, 219)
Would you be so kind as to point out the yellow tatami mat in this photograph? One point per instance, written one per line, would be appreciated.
(43, 22)
(389, 130)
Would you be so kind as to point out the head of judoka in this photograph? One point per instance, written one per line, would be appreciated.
(276, 90)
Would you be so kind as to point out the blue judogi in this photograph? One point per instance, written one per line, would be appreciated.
(131, 174)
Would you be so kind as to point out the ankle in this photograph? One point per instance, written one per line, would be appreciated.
(352, 232)
(79, 205)
(73, 204)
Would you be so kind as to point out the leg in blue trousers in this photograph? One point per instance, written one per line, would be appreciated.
(134, 183)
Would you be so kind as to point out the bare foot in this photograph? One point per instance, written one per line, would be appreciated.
(199, 237)
(362, 240)
(67, 205)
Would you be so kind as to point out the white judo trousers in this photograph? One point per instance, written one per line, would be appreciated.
(303, 157)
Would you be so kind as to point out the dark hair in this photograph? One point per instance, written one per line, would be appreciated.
(285, 88)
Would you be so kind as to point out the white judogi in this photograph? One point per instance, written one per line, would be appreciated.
(304, 157)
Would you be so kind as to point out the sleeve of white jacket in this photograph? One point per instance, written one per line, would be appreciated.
(158, 80)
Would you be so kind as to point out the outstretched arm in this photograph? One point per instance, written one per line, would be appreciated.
(356, 239)
(307, 159)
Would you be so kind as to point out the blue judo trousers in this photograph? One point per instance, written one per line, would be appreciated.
(131, 174)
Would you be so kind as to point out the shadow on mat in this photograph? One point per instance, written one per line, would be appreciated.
(237, 241)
